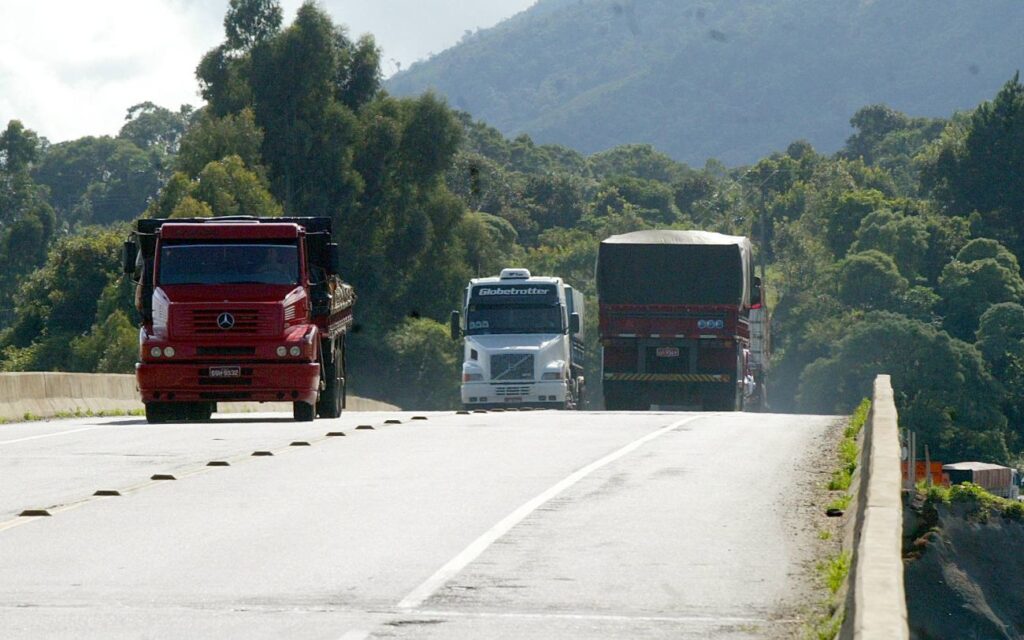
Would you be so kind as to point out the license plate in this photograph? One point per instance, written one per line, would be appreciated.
(225, 372)
(668, 352)
(513, 399)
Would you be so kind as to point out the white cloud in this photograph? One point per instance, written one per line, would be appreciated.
(70, 68)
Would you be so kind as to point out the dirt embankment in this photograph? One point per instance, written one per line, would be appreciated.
(964, 573)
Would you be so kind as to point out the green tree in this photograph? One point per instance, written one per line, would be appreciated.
(654, 201)
(223, 188)
(977, 166)
(59, 301)
(150, 126)
(27, 221)
(1001, 337)
(871, 280)
(943, 391)
(636, 161)
(229, 188)
(845, 214)
(905, 238)
(873, 123)
(424, 365)
(970, 286)
(250, 22)
(211, 139)
(19, 148)
(100, 180)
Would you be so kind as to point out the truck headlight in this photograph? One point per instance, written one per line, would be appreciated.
(282, 351)
(156, 352)
(294, 351)
(552, 375)
(472, 377)
(169, 352)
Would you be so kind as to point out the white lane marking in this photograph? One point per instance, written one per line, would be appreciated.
(420, 594)
(59, 433)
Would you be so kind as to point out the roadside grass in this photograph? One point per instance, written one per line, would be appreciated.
(981, 503)
(834, 569)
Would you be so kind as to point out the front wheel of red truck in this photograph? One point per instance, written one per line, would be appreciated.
(303, 411)
(159, 412)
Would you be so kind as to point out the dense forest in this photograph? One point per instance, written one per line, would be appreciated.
(730, 79)
(898, 254)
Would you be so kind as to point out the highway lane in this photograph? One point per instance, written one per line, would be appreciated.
(519, 525)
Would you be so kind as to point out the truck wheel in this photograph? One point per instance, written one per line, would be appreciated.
(303, 412)
(198, 411)
(158, 412)
(332, 399)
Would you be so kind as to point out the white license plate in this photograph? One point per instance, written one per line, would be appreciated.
(225, 372)
(668, 352)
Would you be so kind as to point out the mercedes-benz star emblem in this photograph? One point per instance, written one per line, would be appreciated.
(225, 320)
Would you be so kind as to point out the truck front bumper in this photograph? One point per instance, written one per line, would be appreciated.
(256, 382)
(549, 394)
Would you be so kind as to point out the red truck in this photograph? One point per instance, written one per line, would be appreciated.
(681, 322)
(239, 309)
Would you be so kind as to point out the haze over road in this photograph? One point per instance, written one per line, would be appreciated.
(520, 525)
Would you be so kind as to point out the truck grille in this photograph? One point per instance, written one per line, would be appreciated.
(504, 392)
(512, 366)
(225, 351)
(214, 322)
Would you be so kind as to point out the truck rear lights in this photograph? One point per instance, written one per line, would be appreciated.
(711, 324)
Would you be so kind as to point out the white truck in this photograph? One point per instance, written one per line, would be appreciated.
(523, 342)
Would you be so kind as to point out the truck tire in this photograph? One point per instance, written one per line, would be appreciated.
(158, 412)
(303, 411)
(332, 398)
(198, 411)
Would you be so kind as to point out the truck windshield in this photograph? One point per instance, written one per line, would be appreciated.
(235, 263)
(484, 319)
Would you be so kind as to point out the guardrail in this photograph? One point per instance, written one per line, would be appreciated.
(49, 394)
(876, 604)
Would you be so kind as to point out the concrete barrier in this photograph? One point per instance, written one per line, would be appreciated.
(49, 394)
(876, 604)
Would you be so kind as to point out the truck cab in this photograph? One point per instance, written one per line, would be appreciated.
(239, 309)
(523, 342)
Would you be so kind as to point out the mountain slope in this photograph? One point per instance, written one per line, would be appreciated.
(731, 79)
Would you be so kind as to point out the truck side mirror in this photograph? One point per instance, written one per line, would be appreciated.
(455, 328)
(334, 258)
(130, 254)
(574, 323)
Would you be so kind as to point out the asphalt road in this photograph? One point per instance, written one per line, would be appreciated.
(501, 525)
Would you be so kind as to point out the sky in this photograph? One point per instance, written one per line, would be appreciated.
(72, 68)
